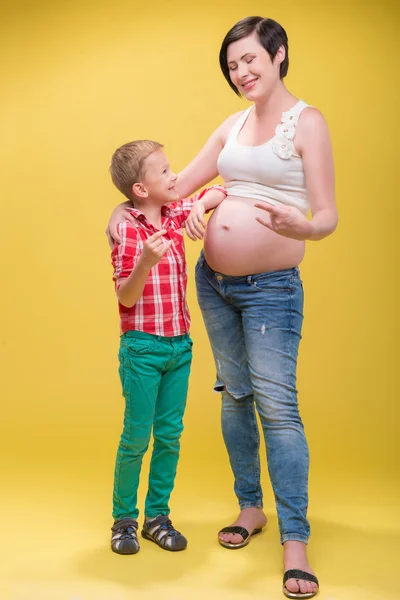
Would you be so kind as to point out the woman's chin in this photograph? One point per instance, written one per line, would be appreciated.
(251, 95)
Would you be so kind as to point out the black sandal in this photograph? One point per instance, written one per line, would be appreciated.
(241, 531)
(161, 531)
(298, 574)
(124, 539)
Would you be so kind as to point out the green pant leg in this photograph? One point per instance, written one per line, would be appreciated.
(167, 429)
(141, 366)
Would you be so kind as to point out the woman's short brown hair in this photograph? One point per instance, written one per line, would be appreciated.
(270, 34)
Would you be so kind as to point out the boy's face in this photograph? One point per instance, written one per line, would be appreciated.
(158, 179)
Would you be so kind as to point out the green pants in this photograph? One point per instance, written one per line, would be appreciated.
(154, 373)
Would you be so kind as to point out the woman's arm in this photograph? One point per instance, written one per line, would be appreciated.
(118, 215)
(314, 145)
(195, 224)
(203, 168)
(200, 171)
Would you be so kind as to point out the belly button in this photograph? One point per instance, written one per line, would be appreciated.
(225, 227)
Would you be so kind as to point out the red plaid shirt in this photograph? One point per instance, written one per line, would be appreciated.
(162, 308)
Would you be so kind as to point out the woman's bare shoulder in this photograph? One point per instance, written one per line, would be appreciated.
(227, 125)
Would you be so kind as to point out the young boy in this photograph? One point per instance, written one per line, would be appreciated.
(156, 350)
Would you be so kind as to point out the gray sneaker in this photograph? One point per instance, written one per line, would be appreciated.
(124, 539)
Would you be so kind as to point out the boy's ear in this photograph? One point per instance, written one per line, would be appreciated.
(139, 190)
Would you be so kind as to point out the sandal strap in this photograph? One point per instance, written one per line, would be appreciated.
(125, 524)
(236, 529)
(299, 574)
(162, 530)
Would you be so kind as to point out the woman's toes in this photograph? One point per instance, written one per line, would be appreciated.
(232, 538)
(302, 586)
(292, 585)
(299, 585)
(305, 587)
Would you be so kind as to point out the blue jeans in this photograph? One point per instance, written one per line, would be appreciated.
(254, 326)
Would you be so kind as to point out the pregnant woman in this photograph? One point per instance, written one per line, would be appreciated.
(276, 161)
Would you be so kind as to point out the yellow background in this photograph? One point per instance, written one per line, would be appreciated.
(79, 79)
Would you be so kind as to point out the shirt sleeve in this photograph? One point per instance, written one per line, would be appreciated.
(187, 203)
(125, 255)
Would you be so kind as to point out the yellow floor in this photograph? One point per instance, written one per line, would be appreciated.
(55, 539)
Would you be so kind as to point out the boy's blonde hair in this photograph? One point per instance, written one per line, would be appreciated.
(127, 162)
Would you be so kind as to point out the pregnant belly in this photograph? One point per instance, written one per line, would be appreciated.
(236, 244)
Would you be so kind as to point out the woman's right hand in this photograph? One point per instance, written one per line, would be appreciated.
(119, 214)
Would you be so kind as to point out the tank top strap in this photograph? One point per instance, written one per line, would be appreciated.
(290, 118)
(300, 106)
(237, 126)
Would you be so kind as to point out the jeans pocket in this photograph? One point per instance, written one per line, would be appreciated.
(200, 262)
(269, 288)
(139, 346)
(273, 282)
(123, 368)
(186, 346)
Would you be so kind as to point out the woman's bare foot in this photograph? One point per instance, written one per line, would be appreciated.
(250, 519)
(295, 557)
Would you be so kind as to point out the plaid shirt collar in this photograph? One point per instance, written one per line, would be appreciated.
(135, 212)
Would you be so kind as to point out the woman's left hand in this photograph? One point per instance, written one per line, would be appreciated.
(285, 220)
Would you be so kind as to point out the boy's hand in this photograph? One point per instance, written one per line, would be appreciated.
(195, 223)
(154, 249)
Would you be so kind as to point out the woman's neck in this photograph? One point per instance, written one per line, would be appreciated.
(279, 100)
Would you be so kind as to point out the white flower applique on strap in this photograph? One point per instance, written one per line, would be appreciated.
(282, 143)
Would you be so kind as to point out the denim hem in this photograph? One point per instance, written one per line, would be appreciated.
(125, 516)
(153, 513)
(250, 505)
(294, 537)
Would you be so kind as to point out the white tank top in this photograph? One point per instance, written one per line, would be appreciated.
(272, 172)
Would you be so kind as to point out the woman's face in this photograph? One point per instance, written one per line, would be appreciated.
(251, 68)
